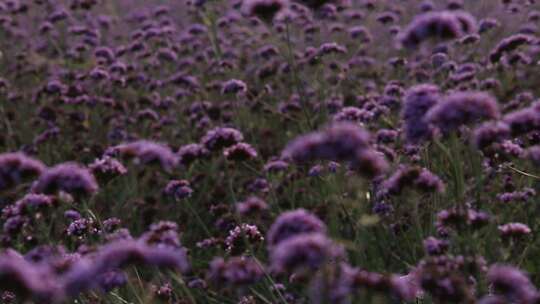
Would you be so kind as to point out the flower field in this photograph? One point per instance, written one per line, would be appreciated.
(269, 151)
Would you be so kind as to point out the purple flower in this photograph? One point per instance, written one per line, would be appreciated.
(219, 138)
(462, 108)
(147, 152)
(533, 153)
(111, 280)
(107, 166)
(331, 48)
(292, 223)
(162, 234)
(488, 24)
(179, 189)
(240, 152)
(420, 179)
(29, 203)
(191, 152)
(116, 255)
(235, 271)
(252, 205)
(489, 133)
(524, 121)
(233, 86)
(27, 280)
(264, 9)
(514, 230)
(338, 142)
(508, 45)
(418, 101)
(16, 168)
(304, 252)
(276, 166)
(68, 177)
(513, 284)
(353, 114)
(80, 227)
(434, 246)
(437, 25)
(241, 234)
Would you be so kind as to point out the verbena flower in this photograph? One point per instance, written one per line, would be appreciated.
(240, 152)
(16, 168)
(418, 178)
(236, 271)
(219, 138)
(304, 252)
(68, 177)
(509, 44)
(437, 25)
(191, 152)
(489, 133)
(145, 152)
(178, 189)
(338, 142)
(524, 120)
(418, 101)
(116, 255)
(27, 280)
(512, 283)
(266, 10)
(251, 206)
(292, 223)
(462, 108)
(514, 230)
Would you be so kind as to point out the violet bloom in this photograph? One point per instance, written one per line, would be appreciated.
(338, 142)
(68, 177)
(107, 166)
(240, 152)
(304, 252)
(331, 48)
(418, 178)
(513, 284)
(488, 24)
(27, 280)
(437, 25)
(116, 255)
(292, 223)
(252, 205)
(15, 168)
(434, 246)
(418, 101)
(191, 152)
(162, 234)
(233, 86)
(276, 166)
(111, 280)
(219, 138)
(316, 4)
(264, 9)
(28, 203)
(489, 133)
(524, 120)
(514, 230)
(509, 44)
(533, 154)
(147, 152)
(178, 189)
(236, 271)
(353, 114)
(462, 108)
(237, 237)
